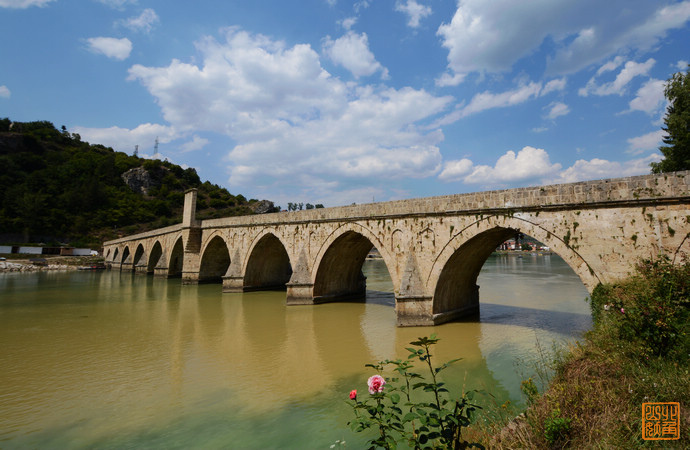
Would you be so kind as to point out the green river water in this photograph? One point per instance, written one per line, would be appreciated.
(113, 360)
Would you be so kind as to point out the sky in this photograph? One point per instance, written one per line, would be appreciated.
(339, 102)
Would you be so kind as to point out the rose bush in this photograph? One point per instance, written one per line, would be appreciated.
(431, 422)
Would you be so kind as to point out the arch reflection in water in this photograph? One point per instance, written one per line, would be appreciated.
(113, 360)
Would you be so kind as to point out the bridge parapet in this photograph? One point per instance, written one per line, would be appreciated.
(639, 190)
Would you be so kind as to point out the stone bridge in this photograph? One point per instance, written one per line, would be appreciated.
(433, 247)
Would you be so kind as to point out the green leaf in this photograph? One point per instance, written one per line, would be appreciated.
(410, 416)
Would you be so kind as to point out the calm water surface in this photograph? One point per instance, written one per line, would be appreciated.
(111, 360)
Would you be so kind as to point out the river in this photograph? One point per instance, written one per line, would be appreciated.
(114, 360)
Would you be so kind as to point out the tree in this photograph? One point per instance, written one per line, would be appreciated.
(677, 120)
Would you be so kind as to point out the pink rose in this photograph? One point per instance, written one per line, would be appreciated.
(353, 394)
(375, 384)
(623, 310)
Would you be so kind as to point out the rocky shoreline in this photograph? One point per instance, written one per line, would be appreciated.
(59, 263)
(10, 266)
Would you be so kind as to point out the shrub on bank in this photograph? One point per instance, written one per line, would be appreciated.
(412, 409)
(637, 352)
(650, 310)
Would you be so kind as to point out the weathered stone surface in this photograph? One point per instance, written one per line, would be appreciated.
(140, 180)
(263, 207)
(433, 247)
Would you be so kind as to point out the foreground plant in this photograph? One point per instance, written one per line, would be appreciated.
(433, 421)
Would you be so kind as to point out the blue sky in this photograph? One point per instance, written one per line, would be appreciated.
(335, 102)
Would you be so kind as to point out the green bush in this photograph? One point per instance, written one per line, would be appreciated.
(651, 309)
(556, 428)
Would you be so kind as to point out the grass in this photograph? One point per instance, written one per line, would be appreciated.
(629, 358)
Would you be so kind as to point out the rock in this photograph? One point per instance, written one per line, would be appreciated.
(263, 207)
(140, 180)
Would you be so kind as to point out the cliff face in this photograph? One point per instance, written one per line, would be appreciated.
(141, 180)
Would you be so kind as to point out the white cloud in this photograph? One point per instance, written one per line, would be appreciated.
(450, 79)
(646, 142)
(117, 4)
(360, 5)
(600, 168)
(682, 65)
(111, 47)
(490, 37)
(610, 66)
(5, 92)
(348, 23)
(352, 52)
(291, 121)
(650, 97)
(415, 11)
(533, 165)
(629, 71)
(558, 109)
(529, 164)
(554, 85)
(455, 170)
(125, 140)
(143, 22)
(22, 4)
(489, 100)
(197, 143)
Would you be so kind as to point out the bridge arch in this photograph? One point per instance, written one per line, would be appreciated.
(176, 258)
(267, 265)
(115, 254)
(215, 259)
(454, 274)
(138, 254)
(125, 254)
(154, 257)
(337, 271)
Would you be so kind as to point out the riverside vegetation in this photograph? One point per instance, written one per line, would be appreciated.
(56, 188)
(637, 352)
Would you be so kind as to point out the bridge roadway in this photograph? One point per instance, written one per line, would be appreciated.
(433, 247)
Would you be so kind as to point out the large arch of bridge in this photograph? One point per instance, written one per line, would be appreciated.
(215, 258)
(454, 273)
(339, 260)
(267, 264)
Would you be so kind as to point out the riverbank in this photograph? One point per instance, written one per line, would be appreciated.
(638, 352)
(22, 263)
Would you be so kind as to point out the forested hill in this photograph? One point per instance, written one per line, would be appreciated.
(56, 189)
